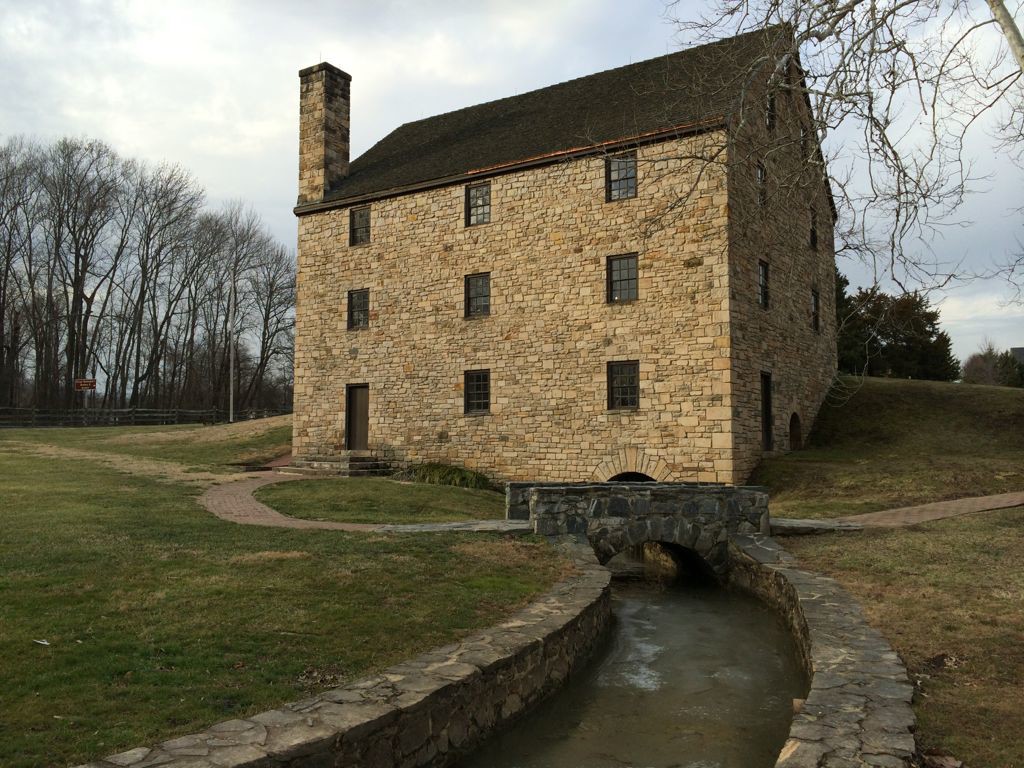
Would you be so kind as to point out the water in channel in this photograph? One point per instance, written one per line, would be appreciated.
(691, 678)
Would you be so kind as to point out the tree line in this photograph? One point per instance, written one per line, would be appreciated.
(899, 336)
(116, 269)
(989, 365)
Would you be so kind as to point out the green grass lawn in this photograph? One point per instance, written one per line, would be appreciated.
(161, 620)
(949, 595)
(379, 500)
(883, 443)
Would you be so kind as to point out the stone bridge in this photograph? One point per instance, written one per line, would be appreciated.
(617, 516)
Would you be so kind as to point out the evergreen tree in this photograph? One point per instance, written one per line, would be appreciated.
(898, 336)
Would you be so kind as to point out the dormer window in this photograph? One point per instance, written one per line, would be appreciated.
(478, 204)
(620, 176)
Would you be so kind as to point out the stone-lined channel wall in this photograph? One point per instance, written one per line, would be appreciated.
(434, 709)
(858, 709)
(429, 711)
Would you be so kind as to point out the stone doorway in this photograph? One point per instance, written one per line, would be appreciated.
(357, 416)
(796, 438)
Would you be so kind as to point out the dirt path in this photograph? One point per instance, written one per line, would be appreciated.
(922, 513)
(205, 434)
(165, 471)
(232, 500)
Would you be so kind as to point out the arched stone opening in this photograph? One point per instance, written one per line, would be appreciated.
(709, 542)
(631, 477)
(632, 460)
(796, 438)
(674, 563)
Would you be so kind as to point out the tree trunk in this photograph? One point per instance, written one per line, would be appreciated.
(1010, 30)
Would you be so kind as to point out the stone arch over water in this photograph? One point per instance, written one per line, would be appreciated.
(633, 461)
(613, 517)
(708, 543)
(672, 562)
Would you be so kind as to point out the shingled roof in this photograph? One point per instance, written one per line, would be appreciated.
(678, 93)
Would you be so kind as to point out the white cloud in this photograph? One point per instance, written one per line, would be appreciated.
(979, 308)
(213, 86)
(973, 317)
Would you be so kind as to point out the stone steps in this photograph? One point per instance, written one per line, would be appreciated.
(349, 464)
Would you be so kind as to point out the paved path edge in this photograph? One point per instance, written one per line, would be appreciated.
(234, 502)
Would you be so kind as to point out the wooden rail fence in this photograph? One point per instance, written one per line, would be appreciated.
(88, 417)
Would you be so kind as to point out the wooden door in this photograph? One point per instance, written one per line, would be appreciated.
(767, 435)
(357, 416)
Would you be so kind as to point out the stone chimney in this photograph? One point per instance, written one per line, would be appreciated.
(323, 130)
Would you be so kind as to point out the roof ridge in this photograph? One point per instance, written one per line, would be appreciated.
(689, 87)
(664, 57)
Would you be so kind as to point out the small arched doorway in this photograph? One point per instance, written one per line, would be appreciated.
(796, 439)
(631, 477)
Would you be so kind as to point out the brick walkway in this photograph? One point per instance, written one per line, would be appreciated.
(234, 502)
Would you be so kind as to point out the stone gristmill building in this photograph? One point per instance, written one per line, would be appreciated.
(631, 272)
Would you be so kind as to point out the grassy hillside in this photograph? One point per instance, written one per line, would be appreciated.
(218, 449)
(882, 443)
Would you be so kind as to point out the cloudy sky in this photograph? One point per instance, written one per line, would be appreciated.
(213, 85)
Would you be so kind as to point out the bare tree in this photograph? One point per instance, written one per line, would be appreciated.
(271, 287)
(894, 89)
(111, 269)
(17, 191)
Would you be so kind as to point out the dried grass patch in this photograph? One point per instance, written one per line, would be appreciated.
(268, 556)
(509, 552)
(217, 433)
(165, 471)
(947, 595)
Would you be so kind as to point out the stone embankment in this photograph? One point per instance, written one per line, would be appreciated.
(427, 711)
(858, 710)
